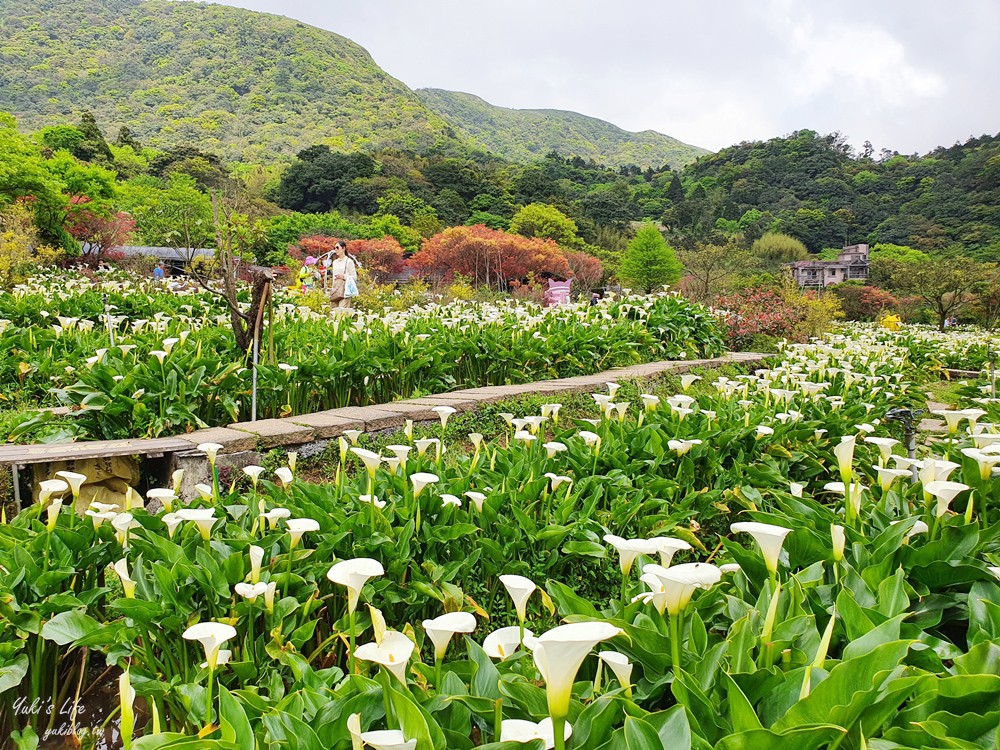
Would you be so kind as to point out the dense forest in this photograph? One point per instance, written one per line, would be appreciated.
(807, 186)
(816, 189)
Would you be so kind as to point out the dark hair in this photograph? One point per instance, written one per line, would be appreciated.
(339, 243)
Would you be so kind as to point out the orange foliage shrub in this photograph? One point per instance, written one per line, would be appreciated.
(488, 256)
(381, 258)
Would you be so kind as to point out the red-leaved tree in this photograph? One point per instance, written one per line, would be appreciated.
(863, 302)
(754, 312)
(488, 256)
(588, 271)
(97, 231)
(381, 258)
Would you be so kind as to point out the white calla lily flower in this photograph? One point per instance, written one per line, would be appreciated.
(520, 590)
(211, 450)
(74, 479)
(420, 480)
(680, 582)
(211, 635)
(393, 653)
(442, 629)
(299, 526)
(256, 558)
(667, 547)
(502, 643)
(354, 574)
(128, 585)
(381, 739)
(769, 538)
(254, 473)
(559, 653)
(524, 731)
(285, 476)
(443, 413)
(620, 665)
(250, 591)
(630, 549)
(203, 518)
(944, 492)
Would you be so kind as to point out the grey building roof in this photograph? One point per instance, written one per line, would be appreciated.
(167, 253)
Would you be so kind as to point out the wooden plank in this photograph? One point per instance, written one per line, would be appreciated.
(47, 453)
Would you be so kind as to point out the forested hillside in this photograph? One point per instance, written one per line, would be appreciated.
(814, 188)
(526, 134)
(244, 85)
(259, 88)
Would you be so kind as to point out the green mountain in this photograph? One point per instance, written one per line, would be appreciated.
(242, 84)
(526, 134)
(254, 86)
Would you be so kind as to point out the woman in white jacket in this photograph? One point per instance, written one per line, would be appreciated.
(344, 270)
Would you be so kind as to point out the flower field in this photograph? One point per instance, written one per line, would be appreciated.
(961, 349)
(750, 562)
(172, 367)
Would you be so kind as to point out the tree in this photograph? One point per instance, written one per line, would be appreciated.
(774, 250)
(884, 260)
(207, 169)
(860, 302)
(24, 173)
(18, 239)
(649, 262)
(92, 146)
(610, 205)
(60, 137)
(588, 271)
(97, 230)
(176, 215)
(710, 268)
(125, 138)
(945, 284)
(488, 256)
(545, 221)
(988, 297)
(234, 239)
(312, 183)
(405, 205)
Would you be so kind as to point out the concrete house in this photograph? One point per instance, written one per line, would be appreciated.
(851, 264)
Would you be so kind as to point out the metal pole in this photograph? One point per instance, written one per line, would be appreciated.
(993, 374)
(15, 476)
(107, 319)
(907, 418)
(253, 396)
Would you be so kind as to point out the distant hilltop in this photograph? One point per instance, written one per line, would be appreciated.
(257, 87)
(527, 134)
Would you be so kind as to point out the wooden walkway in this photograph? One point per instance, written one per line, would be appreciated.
(46, 453)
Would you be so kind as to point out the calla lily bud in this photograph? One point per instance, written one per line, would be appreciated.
(839, 541)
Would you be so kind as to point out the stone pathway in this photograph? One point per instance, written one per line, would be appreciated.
(933, 424)
(242, 442)
(290, 431)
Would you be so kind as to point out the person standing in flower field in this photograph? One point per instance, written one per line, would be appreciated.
(344, 270)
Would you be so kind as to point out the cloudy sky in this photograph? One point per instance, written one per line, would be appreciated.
(905, 74)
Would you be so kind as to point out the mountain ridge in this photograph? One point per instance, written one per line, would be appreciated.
(252, 86)
(580, 135)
